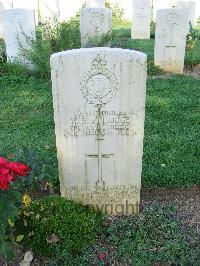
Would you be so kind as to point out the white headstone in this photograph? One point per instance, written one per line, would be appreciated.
(28, 4)
(4, 4)
(49, 11)
(99, 108)
(141, 19)
(170, 39)
(189, 6)
(94, 22)
(162, 4)
(95, 3)
(20, 27)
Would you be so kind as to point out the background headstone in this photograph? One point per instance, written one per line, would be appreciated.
(189, 6)
(141, 19)
(28, 4)
(49, 11)
(170, 39)
(99, 108)
(19, 25)
(94, 22)
(4, 4)
(95, 3)
(162, 4)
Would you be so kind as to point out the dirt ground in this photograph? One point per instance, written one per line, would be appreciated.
(187, 201)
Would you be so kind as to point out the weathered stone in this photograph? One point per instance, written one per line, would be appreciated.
(99, 108)
(189, 6)
(170, 39)
(95, 3)
(141, 19)
(19, 25)
(94, 23)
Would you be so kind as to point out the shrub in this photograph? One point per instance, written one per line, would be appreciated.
(62, 37)
(54, 222)
(192, 41)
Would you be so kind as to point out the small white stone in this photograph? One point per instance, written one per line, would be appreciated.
(28, 257)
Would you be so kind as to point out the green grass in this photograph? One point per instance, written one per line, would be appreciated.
(155, 237)
(122, 38)
(171, 129)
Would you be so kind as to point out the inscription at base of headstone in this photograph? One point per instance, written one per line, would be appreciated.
(170, 39)
(19, 29)
(141, 19)
(99, 107)
(94, 23)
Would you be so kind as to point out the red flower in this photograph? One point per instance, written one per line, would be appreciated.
(102, 256)
(19, 168)
(5, 178)
(3, 162)
(4, 186)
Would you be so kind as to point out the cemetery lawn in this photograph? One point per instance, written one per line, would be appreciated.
(171, 146)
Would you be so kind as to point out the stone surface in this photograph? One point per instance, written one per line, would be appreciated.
(49, 11)
(170, 39)
(99, 108)
(162, 4)
(20, 26)
(28, 4)
(95, 3)
(94, 23)
(189, 6)
(141, 19)
(4, 4)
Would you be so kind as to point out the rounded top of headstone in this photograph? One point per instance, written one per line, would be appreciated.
(131, 53)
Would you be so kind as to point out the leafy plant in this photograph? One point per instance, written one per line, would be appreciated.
(62, 37)
(152, 69)
(41, 176)
(191, 44)
(53, 223)
(9, 201)
(99, 41)
(117, 14)
(2, 52)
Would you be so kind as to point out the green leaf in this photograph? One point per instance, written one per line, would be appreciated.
(19, 238)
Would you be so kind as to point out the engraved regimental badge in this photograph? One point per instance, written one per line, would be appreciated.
(99, 85)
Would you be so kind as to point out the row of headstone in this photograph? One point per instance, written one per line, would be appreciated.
(99, 110)
(141, 18)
